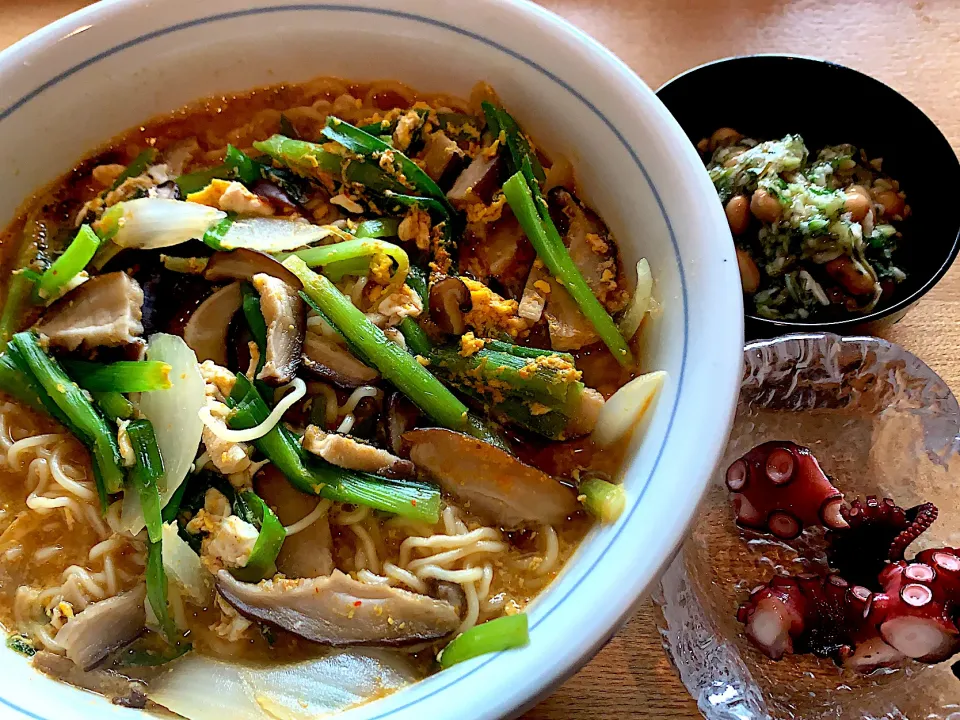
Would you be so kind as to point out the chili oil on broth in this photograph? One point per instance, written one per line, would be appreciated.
(91, 562)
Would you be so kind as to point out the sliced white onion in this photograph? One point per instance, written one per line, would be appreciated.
(627, 407)
(173, 411)
(150, 223)
(202, 688)
(639, 303)
(183, 567)
(258, 431)
(274, 235)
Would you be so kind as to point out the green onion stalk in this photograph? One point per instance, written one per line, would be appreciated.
(350, 250)
(393, 362)
(214, 236)
(412, 499)
(500, 121)
(22, 283)
(541, 393)
(84, 420)
(145, 474)
(530, 208)
(262, 562)
(124, 376)
(502, 633)
(369, 146)
(114, 405)
(312, 161)
(604, 500)
(377, 228)
(157, 591)
(69, 265)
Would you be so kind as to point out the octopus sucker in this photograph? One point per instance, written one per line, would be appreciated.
(780, 488)
(874, 609)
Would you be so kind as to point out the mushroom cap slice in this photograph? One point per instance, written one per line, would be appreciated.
(120, 690)
(329, 361)
(104, 311)
(244, 263)
(450, 300)
(206, 330)
(478, 180)
(89, 636)
(492, 482)
(307, 553)
(338, 610)
(286, 317)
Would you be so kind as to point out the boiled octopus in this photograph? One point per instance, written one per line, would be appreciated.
(779, 487)
(875, 609)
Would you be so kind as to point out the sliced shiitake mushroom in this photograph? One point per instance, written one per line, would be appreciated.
(442, 157)
(402, 415)
(449, 301)
(338, 610)
(491, 482)
(243, 264)
(275, 195)
(479, 180)
(206, 330)
(329, 361)
(286, 317)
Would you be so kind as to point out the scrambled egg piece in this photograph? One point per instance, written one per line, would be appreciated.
(401, 303)
(347, 203)
(381, 268)
(232, 626)
(229, 545)
(228, 540)
(406, 126)
(470, 344)
(492, 314)
(597, 244)
(415, 227)
(230, 196)
(219, 381)
(565, 371)
(106, 175)
(478, 212)
(228, 457)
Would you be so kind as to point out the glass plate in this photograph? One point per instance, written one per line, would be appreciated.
(881, 423)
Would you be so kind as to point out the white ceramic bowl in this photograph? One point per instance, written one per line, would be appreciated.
(73, 85)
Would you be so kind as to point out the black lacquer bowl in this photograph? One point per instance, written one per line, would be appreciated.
(830, 104)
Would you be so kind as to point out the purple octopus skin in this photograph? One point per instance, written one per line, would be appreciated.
(879, 532)
(778, 487)
(879, 610)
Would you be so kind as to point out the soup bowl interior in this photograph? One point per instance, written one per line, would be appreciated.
(71, 87)
(913, 149)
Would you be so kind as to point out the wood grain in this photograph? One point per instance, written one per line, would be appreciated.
(913, 45)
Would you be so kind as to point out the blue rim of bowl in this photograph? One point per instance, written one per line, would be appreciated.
(400, 15)
(902, 305)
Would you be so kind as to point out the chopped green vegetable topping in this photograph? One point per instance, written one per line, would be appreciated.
(502, 633)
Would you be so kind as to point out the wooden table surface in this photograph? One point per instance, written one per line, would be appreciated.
(914, 45)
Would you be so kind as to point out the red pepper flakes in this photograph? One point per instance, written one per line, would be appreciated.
(357, 603)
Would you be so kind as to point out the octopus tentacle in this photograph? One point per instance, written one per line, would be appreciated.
(824, 615)
(779, 487)
(921, 518)
(861, 551)
(879, 609)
